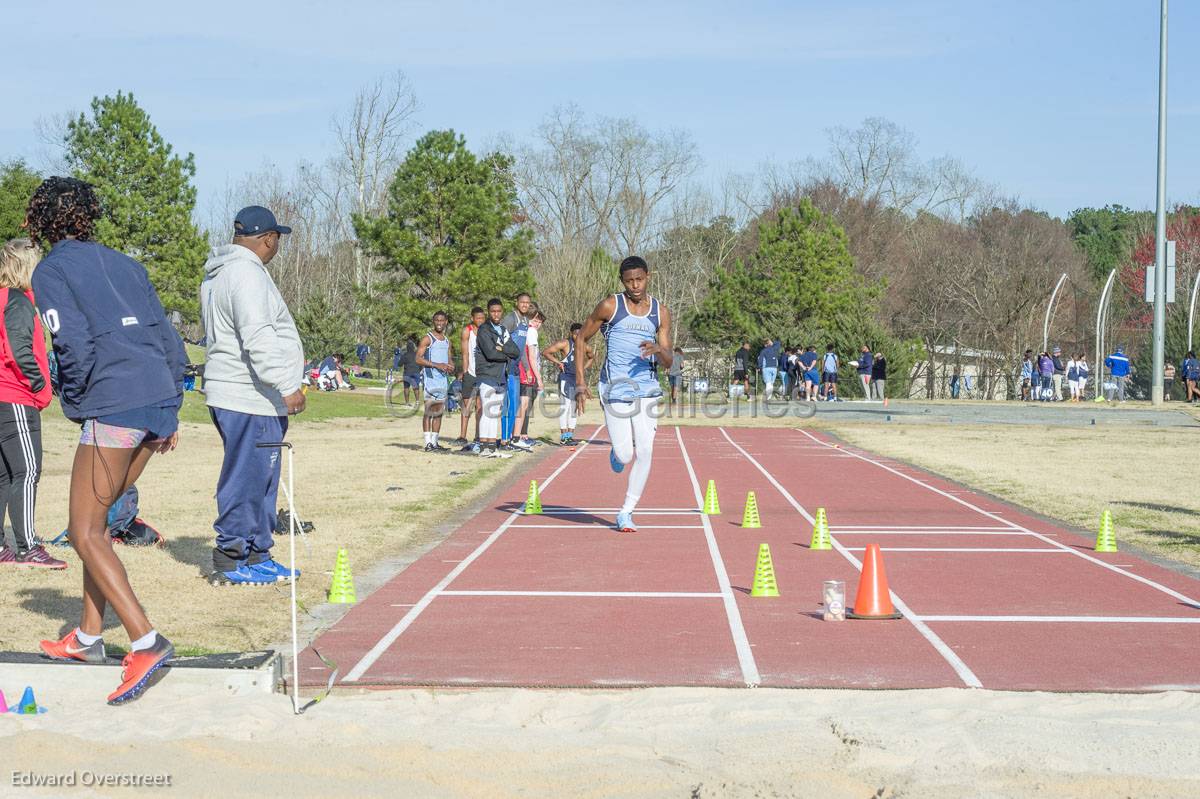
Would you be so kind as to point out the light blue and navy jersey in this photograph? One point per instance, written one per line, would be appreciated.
(437, 352)
(568, 372)
(626, 375)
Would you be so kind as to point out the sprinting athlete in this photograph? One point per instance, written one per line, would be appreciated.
(568, 414)
(637, 332)
(433, 356)
(469, 390)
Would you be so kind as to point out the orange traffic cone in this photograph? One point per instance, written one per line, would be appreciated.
(874, 601)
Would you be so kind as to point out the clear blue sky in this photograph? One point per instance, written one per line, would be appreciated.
(1052, 100)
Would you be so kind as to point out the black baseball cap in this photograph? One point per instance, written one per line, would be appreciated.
(254, 220)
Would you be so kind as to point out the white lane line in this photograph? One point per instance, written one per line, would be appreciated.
(1076, 619)
(738, 630)
(960, 668)
(1042, 550)
(632, 594)
(924, 533)
(577, 512)
(995, 517)
(914, 527)
(406, 621)
(606, 526)
(575, 509)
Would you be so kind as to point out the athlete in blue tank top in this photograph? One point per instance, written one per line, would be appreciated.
(435, 360)
(567, 381)
(637, 332)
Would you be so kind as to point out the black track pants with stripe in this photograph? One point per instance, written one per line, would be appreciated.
(21, 451)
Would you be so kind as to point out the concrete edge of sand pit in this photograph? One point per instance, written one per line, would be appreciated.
(230, 674)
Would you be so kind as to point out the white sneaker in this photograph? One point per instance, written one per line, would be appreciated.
(492, 452)
(522, 444)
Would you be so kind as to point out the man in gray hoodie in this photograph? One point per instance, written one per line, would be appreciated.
(252, 384)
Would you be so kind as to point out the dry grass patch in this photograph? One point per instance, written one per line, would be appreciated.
(363, 482)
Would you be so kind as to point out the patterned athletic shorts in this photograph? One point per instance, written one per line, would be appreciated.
(99, 434)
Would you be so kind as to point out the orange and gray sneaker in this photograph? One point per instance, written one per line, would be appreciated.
(69, 648)
(138, 667)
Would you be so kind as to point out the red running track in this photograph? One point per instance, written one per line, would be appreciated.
(992, 597)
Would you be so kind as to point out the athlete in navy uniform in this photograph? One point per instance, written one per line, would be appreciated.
(637, 332)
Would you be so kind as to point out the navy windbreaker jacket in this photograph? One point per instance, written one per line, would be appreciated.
(116, 351)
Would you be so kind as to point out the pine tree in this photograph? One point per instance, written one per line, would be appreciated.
(17, 183)
(147, 196)
(448, 239)
(799, 286)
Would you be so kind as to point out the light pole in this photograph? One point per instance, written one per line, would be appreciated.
(1101, 313)
(1049, 312)
(1160, 221)
(1192, 309)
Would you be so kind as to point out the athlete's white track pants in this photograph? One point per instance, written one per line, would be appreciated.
(566, 414)
(631, 428)
(491, 402)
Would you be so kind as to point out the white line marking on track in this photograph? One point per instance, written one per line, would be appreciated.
(606, 526)
(1076, 619)
(632, 594)
(740, 642)
(406, 621)
(960, 668)
(847, 528)
(923, 533)
(577, 512)
(995, 517)
(574, 509)
(959, 549)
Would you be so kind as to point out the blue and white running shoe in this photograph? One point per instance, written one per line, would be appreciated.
(272, 570)
(242, 575)
(617, 466)
(625, 523)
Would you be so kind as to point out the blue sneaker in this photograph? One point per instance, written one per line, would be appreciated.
(273, 570)
(242, 575)
(617, 466)
(625, 523)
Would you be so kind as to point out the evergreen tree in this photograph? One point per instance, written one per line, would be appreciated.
(147, 196)
(799, 286)
(448, 238)
(17, 183)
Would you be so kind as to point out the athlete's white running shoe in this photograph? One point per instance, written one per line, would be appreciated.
(625, 523)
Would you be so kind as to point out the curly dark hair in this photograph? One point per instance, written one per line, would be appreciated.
(63, 207)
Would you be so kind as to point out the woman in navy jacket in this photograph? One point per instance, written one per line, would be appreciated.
(120, 375)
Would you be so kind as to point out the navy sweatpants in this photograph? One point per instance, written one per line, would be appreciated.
(248, 489)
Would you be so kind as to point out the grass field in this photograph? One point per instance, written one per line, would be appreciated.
(363, 480)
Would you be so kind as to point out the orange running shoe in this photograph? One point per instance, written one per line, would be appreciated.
(69, 648)
(139, 666)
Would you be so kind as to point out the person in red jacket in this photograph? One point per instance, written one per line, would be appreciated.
(24, 391)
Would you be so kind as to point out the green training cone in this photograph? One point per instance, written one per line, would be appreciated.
(750, 518)
(1106, 539)
(534, 503)
(711, 506)
(820, 533)
(341, 590)
(764, 574)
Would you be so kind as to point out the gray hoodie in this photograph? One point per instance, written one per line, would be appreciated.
(255, 358)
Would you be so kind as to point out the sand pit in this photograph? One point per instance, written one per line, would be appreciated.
(645, 743)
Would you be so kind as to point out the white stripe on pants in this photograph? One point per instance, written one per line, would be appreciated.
(491, 403)
(631, 428)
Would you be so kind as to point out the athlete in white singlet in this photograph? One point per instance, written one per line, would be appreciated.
(637, 332)
(433, 356)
